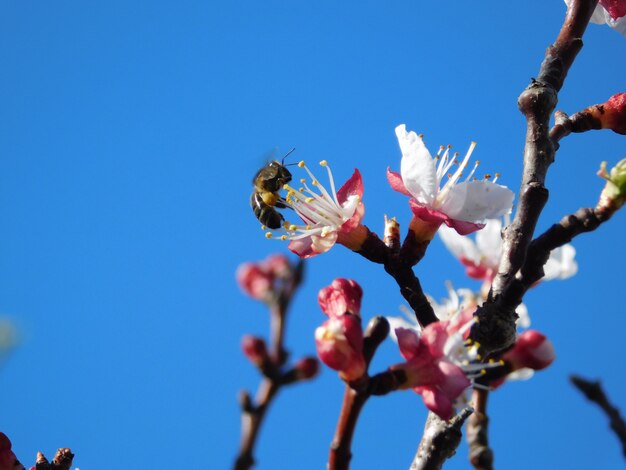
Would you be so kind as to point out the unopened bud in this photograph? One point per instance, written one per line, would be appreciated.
(341, 297)
(254, 280)
(532, 350)
(254, 349)
(339, 343)
(307, 368)
(614, 193)
(608, 115)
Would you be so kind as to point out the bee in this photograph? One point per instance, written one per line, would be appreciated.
(265, 198)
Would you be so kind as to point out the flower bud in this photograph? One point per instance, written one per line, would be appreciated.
(278, 265)
(307, 367)
(614, 193)
(339, 343)
(254, 349)
(254, 280)
(532, 350)
(341, 297)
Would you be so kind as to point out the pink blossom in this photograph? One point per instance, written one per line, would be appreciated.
(329, 216)
(341, 297)
(254, 349)
(258, 279)
(434, 365)
(532, 350)
(462, 206)
(339, 343)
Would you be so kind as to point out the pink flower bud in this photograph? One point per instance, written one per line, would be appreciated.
(254, 280)
(341, 297)
(532, 350)
(339, 343)
(254, 349)
(278, 266)
(307, 367)
(614, 116)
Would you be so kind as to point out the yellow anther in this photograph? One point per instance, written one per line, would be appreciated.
(487, 176)
(479, 357)
(301, 190)
(450, 146)
(323, 163)
(477, 162)
(477, 344)
(268, 234)
(292, 228)
(421, 136)
(497, 175)
(263, 227)
(314, 183)
(491, 361)
(473, 144)
(456, 154)
(483, 371)
(286, 187)
(501, 362)
(308, 227)
(309, 200)
(441, 147)
(283, 237)
(449, 175)
(301, 164)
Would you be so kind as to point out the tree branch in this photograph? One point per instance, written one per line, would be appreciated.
(477, 429)
(440, 440)
(496, 328)
(593, 391)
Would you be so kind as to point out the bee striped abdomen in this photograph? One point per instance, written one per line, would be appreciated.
(266, 214)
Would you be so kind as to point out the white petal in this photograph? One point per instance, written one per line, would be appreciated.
(473, 201)
(489, 241)
(561, 263)
(523, 319)
(399, 322)
(618, 25)
(417, 168)
(459, 246)
(521, 374)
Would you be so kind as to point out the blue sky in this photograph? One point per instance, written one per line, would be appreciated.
(129, 134)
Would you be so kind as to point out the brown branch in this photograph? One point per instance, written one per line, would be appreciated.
(496, 328)
(399, 266)
(253, 412)
(440, 440)
(593, 391)
(357, 393)
(477, 429)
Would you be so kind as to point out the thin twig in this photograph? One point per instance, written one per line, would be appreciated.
(593, 391)
(440, 440)
(477, 430)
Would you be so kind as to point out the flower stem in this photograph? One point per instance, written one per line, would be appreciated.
(340, 453)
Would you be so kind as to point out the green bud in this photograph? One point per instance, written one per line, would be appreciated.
(614, 192)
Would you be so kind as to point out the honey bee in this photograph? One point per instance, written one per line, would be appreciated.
(265, 198)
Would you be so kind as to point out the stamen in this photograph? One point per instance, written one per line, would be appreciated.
(268, 234)
(283, 237)
(323, 163)
(301, 164)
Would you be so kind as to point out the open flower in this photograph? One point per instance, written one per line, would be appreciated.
(329, 216)
(439, 364)
(482, 256)
(460, 205)
(611, 12)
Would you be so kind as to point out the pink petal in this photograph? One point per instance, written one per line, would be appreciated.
(303, 247)
(354, 186)
(396, 183)
(462, 227)
(408, 342)
(437, 402)
(434, 337)
(455, 381)
(426, 213)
